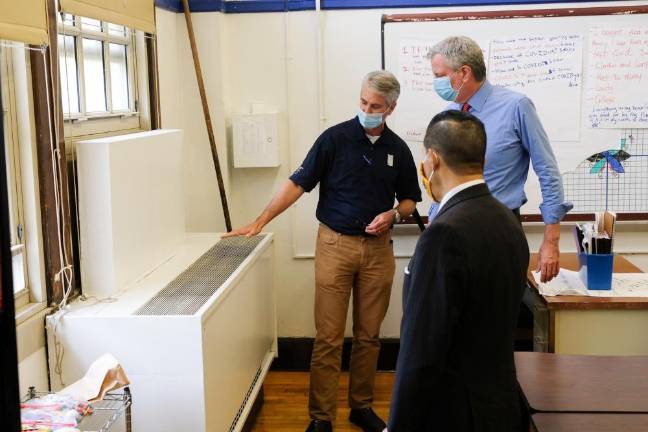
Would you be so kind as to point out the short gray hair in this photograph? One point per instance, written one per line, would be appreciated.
(383, 82)
(459, 51)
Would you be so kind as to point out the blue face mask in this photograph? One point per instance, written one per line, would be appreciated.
(443, 87)
(370, 121)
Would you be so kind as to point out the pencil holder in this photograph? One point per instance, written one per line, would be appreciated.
(596, 270)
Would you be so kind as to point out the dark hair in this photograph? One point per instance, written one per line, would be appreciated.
(460, 138)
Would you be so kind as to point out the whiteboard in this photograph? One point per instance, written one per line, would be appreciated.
(563, 111)
(576, 105)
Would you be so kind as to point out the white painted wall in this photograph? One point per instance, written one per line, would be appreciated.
(271, 59)
(32, 357)
(181, 108)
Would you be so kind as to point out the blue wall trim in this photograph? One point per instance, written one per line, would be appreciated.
(245, 6)
(268, 6)
(170, 5)
(374, 4)
(251, 6)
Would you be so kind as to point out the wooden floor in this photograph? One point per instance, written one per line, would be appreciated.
(286, 402)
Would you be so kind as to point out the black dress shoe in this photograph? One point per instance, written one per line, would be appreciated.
(319, 426)
(367, 419)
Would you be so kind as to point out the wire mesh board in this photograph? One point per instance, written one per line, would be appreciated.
(193, 287)
(615, 179)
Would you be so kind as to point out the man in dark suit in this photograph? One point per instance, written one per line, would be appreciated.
(461, 296)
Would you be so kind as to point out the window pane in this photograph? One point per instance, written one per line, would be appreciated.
(90, 24)
(93, 73)
(118, 76)
(18, 271)
(68, 70)
(68, 20)
(10, 183)
(116, 30)
(9, 149)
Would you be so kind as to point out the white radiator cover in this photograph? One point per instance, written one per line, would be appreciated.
(191, 372)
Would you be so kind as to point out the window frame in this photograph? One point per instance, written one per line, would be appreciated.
(109, 122)
(14, 186)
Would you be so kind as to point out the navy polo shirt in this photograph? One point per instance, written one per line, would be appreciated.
(358, 180)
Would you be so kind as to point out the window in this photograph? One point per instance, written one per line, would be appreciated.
(98, 76)
(12, 157)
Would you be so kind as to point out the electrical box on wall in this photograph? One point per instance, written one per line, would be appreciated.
(255, 140)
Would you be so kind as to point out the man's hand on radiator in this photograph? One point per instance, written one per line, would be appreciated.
(248, 230)
(284, 198)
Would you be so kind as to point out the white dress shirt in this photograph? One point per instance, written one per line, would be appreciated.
(455, 190)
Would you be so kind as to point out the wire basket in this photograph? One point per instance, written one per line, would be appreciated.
(104, 412)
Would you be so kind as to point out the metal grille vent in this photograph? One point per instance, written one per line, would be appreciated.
(193, 287)
(237, 417)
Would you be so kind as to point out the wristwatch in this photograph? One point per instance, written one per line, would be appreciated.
(397, 216)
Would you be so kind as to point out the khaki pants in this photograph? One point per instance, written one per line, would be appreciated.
(345, 264)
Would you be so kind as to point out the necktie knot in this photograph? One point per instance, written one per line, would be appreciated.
(465, 107)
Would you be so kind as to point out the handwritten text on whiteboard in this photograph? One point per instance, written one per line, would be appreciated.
(617, 89)
(548, 69)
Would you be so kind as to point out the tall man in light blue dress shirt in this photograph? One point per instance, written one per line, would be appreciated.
(515, 136)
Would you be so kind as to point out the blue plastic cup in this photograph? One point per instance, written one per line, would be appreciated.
(596, 270)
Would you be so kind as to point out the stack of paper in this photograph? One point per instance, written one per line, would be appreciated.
(568, 282)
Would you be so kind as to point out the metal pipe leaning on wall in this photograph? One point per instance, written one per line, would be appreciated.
(208, 122)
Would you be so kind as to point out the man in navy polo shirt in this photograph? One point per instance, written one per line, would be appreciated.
(362, 168)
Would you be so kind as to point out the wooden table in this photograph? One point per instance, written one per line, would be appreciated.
(547, 422)
(574, 383)
(588, 325)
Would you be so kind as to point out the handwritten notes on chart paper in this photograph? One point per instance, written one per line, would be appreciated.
(546, 68)
(617, 89)
(417, 94)
(418, 101)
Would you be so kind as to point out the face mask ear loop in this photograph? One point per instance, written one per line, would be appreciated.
(430, 177)
(427, 156)
(460, 87)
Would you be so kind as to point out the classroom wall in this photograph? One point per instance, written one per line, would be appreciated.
(32, 355)
(181, 108)
(271, 59)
